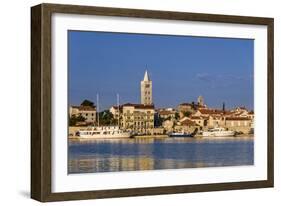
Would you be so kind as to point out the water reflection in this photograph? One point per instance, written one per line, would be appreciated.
(150, 154)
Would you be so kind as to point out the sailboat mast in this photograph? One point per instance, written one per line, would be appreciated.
(98, 110)
(118, 110)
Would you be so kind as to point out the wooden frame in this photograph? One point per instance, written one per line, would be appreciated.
(41, 102)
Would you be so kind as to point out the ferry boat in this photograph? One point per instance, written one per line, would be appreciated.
(218, 132)
(105, 132)
(180, 134)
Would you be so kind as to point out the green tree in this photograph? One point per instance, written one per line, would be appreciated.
(177, 115)
(73, 120)
(106, 118)
(158, 121)
(187, 113)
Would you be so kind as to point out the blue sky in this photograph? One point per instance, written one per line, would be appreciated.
(180, 67)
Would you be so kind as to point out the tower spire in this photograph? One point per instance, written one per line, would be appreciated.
(146, 90)
(146, 77)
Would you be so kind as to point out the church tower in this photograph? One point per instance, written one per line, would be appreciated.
(200, 101)
(146, 90)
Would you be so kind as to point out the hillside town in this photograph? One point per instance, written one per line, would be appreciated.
(145, 118)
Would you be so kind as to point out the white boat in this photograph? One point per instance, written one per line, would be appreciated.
(218, 132)
(180, 134)
(105, 132)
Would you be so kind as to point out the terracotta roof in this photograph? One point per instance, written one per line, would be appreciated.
(237, 114)
(212, 111)
(237, 118)
(195, 117)
(228, 113)
(188, 122)
(138, 106)
(166, 112)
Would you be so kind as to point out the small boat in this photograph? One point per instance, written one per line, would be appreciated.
(180, 134)
(105, 132)
(218, 132)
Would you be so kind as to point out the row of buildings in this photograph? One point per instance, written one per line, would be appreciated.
(144, 118)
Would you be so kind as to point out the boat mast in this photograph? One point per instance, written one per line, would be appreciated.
(98, 110)
(118, 110)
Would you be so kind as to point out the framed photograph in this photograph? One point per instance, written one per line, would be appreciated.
(130, 102)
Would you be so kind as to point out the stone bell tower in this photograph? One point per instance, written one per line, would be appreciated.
(146, 90)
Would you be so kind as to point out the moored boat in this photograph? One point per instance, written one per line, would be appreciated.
(105, 132)
(180, 134)
(218, 132)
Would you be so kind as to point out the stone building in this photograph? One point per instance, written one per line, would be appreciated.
(185, 107)
(239, 120)
(187, 125)
(210, 118)
(88, 112)
(200, 121)
(191, 108)
(138, 118)
(114, 110)
(167, 114)
(146, 90)
(239, 124)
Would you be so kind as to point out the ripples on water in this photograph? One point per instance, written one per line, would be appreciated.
(153, 154)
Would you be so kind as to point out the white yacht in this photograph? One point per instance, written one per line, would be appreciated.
(105, 132)
(218, 132)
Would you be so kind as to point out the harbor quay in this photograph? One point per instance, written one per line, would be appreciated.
(145, 120)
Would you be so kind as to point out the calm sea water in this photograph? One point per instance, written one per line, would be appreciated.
(153, 154)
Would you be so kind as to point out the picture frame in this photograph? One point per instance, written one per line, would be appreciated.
(41, 101)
